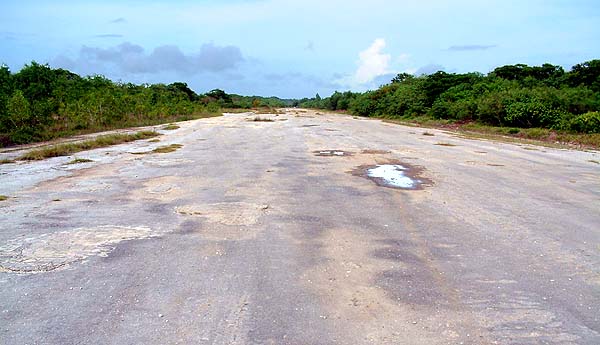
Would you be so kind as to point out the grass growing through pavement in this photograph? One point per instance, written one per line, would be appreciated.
(170, 127)
(3, 197)
(80, 160)
(70, 148)
(6, 161)
(428, 134)
(444, 144)
(167, 148)
(261, 119)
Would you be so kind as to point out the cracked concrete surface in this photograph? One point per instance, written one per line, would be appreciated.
(259, 233)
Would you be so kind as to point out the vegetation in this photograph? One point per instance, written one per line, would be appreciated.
(513, 97)
(170, 127)
(80, 160)
(70, 148)
(3, 197)
(167, 148)
(262, 119)
(41, 103)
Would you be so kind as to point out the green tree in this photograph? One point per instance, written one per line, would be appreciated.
(587, 74)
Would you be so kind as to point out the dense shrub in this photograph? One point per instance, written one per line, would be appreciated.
(515, 96)
(39, 103)
(586, 123)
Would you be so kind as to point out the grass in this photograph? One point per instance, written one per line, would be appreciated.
(154, 141)
(429, 134)
(3, 197)
(6, 161)
(80, 160)
(539, 136)
(167, 148)
(170, 127)
(261, 110)
(444, 144)
(59, 130)
(98, 142)
(261, 119)
(594, 161)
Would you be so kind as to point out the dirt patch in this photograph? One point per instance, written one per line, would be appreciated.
(444, 144)
(49, 252)
(346, 282)
(166, 162)
(374, 152)
(164, 188)
(407, 176)
(233, 213)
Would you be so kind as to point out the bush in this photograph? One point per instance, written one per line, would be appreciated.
(531, 113)
(586, 123)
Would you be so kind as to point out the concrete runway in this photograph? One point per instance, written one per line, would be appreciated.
(252, 234)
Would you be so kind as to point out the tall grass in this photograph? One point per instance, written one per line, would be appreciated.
(98, 142)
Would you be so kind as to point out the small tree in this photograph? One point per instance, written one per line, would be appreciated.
(18, 109)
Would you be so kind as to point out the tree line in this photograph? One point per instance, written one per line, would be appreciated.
(42, 103)
(513, 96)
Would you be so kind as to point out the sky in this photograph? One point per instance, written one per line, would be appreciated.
(293, 48)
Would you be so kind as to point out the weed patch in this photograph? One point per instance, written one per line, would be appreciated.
(167, 148)
(428, 134)
(3, 197)
(261, 119)
(170, 127)
(80, 160)
(98, 142)
(444, 144)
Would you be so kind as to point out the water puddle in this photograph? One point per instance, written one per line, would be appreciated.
(394, 175)
(332, 153)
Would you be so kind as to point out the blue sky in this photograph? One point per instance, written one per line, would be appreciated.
(293, 48)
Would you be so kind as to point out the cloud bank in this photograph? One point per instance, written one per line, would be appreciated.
(131, 58)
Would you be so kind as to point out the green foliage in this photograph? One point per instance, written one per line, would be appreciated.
(19, 119)
(515, 96)
(587, 74)
(586, 123)
(40, 103)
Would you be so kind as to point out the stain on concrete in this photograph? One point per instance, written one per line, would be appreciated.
(374, 152)
(49, 252)
(233, 213)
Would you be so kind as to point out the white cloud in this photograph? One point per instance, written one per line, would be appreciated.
(372, 63)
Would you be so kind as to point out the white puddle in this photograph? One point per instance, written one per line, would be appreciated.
(331, 153)
(336, 153)
(393, 175)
